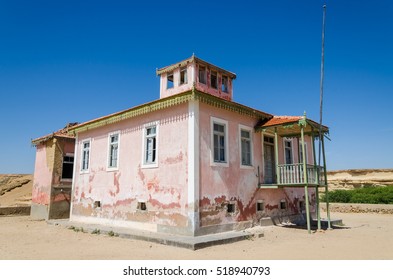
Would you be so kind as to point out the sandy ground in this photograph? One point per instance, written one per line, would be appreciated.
(18, 196)
(368, 236)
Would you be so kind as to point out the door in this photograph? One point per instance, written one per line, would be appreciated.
(269, 162)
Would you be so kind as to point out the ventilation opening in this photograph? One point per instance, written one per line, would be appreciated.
(97, 204)
(283, 204)
(142, 206)
(302, 206)
(260, 206)
(231, 207)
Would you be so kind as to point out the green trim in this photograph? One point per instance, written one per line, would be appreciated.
(194, 59)
(167, 103)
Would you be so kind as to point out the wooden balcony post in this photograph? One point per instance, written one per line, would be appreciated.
(305, 180)
(317, 187)
(276, 155)
(326, 183)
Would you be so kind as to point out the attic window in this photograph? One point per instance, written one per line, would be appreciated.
(213, 79)
(224, 84)
(183, 76)
(169, 81)
(202, 75)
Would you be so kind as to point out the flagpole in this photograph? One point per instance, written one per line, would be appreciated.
(321, 134)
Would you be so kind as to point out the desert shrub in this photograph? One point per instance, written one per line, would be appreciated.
(367, 194)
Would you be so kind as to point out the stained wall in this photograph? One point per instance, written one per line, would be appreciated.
(118, 192)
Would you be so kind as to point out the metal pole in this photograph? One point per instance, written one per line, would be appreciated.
(321, 83)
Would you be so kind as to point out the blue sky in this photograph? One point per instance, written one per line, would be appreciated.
(66, 61)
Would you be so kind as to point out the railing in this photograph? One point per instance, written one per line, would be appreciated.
(292, 174)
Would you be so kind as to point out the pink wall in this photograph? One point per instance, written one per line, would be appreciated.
(42, 176)
(208, 89)
(164, 92)
(295, 150)
(220, 184)
(192, 74)
(163, 188)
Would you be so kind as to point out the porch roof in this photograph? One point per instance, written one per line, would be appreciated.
(291, 125)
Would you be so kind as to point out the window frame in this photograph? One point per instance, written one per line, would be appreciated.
(224, 86)
(301, 152)
(109, 151)
(145, 163)
(218, 121)
(69, 155)
(286, 140)
(83, 149)
(216, 80)
(250, 139)
(200, 68)
(185, 77)
(172, 82)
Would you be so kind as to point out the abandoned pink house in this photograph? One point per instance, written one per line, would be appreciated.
(193, 162)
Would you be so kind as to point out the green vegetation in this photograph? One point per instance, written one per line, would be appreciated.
(96, 231)
(112, 234)
(76, 229)
(367, 194)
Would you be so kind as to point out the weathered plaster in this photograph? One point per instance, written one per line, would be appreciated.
(162, 188)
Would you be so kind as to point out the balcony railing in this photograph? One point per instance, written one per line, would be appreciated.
(292, 174)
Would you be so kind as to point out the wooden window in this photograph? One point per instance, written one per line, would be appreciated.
(224, 84)
(169, 81)
(85, 155)
(150, 144)
(288, 151)
(213, 79)
(245, 138)
(68, 167)
(202, 74)
(113, 150)
(183, 76)
(219, 131)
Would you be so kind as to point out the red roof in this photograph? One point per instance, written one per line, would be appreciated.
(62, 133)
(277, 120)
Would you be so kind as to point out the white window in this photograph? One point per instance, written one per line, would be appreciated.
(202, 74)
(169, 81)
(288, 151)
(85, 158)
(113, 150)
(213, 79)
(183, 76)
(301, 152)
(150, 145)
(245, 146)
(219, 141)
(224, 84)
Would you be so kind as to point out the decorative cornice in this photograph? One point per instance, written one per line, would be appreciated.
(194, 59)
(168, 102)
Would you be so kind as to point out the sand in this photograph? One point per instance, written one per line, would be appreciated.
(367, 236)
